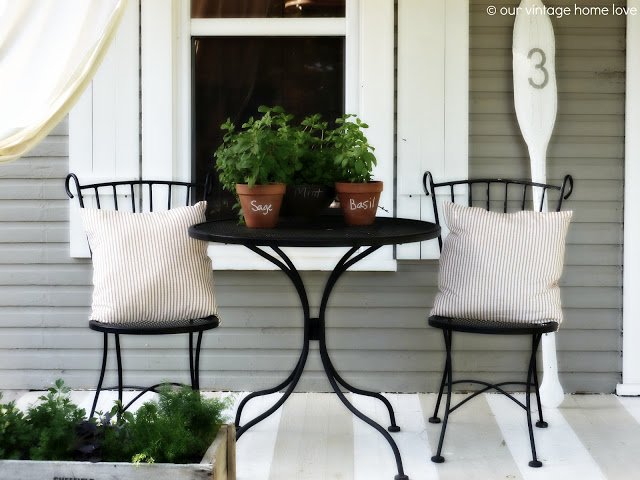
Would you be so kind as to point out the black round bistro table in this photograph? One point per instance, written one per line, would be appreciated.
(326, 231)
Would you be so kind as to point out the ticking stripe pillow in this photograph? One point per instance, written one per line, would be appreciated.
(146, 268)
(501, 266)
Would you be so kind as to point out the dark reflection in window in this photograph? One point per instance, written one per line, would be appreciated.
(266, 8)
(233, 76)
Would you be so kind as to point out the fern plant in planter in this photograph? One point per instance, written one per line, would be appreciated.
(256, 161)
(52, 439)
(354, 159)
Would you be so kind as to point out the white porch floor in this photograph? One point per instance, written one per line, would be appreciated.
(314, 437)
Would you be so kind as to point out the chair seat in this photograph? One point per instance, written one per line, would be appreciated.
(148, 328)
(471, 325)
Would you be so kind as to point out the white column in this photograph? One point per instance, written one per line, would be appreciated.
(631, 278)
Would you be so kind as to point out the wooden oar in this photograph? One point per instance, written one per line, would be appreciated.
(536, 102)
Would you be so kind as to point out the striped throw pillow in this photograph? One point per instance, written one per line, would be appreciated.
(146, 268)
(501, 266)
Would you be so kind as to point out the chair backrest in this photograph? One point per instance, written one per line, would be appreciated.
(136, 195)
(498, 194)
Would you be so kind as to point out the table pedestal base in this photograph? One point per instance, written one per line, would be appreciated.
(314, 330)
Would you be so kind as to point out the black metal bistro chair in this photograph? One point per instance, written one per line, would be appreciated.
(171, 194)
(493, 195)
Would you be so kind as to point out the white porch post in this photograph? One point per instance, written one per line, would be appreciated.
(631, 278)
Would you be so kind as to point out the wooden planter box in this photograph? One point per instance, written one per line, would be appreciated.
(218, 463)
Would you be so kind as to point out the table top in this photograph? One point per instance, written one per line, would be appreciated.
(324, 231)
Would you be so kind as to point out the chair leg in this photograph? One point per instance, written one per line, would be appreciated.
(445, 372)
(191, 362)
(196, 376)
(194, 361)
(119, 361)
(540, 423)
(448, 334)
(105, 350)
(535, 463)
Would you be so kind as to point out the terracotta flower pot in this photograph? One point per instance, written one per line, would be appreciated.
(261, 204)
(359, 201)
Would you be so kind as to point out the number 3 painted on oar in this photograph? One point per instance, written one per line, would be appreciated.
(539, 66)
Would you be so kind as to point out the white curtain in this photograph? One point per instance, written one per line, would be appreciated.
(49, 51)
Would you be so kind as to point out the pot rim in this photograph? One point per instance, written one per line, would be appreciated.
(372, 186)
(269, 189)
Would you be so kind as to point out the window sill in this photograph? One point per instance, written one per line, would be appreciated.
(235, 257)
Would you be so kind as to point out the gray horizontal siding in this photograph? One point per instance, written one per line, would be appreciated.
(588, 143)
(43, 292)
(377, 330)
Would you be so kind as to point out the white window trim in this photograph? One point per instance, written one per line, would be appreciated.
(631, 277)
(264, 27)
(433, 105)
(166, 84)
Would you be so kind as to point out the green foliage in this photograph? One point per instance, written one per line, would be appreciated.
(263, 151)
(271, 148)
(15, 433)
(53, 423)
(178, 428)
(354, 156)
(315, 165)
(142, 458)
(45, 432)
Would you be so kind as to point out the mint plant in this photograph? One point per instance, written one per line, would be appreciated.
(315, 165)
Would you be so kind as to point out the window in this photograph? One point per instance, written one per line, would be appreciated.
(233, 76)
(266, 8)
(330, 56)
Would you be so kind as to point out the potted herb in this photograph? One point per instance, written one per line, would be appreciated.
(256, 161)
(358, 193)
(180, 436)
(311, 188)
